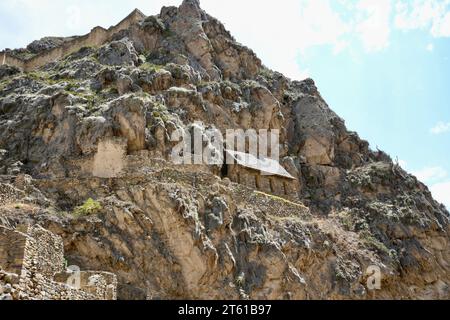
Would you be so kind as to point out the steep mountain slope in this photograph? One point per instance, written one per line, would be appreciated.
(96, 124)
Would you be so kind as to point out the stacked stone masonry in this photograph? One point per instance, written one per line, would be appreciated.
(265, 183)
(97, 37)
(33, 267)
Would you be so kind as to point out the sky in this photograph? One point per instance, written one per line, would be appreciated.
(382, 65)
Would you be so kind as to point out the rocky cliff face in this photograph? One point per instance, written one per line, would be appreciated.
(96, 125)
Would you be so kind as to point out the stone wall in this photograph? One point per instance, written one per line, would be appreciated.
(12, 249)
(44, 252)
(9, 194)
(12, 61)
(266, 183)
(100, 284)
(36, 260)
(97, 37)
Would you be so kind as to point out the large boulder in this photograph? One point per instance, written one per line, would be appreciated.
(127, 114)
(188, 25)
(91, 131)
(313, 136)
(118, 53)
(152, 81)
(45, 44)
(7, 71)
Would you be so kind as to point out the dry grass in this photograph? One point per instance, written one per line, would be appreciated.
(280, 199)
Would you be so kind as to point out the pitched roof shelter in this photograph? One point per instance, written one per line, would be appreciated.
(266, 166)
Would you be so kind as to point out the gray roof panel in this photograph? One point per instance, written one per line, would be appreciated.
(266, 166)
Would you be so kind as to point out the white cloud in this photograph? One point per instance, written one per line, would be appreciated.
(296, 26)
(319, 24)
(437, 180)
(367, 21)
(374, 29)
(424, 14)
(441, 192)
(431, 174)
(441, 28)
(430, 47)
(280, 33)
(275, 33)
(415, 14)
(40, 18)
(440, 127)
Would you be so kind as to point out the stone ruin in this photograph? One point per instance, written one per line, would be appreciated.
(110, 159)
(97, 37)
(266, 176)
(269, 176)
(33, 268)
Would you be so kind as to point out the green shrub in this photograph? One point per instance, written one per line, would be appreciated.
(372, 243)
(266, 73)
(147, 66)
(89, 207)
(154, 22)
(4, 84)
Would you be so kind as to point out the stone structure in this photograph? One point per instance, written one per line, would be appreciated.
(181, 232)
(9, 194)
(12, 250)
(110, 158)
(265, 175)
(97, 37)
(33, 267)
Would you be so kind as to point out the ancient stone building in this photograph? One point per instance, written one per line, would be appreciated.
(32, 266)
(97, 37)
(265, 175)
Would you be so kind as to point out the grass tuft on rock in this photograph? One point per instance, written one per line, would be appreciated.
(89, 207)
(147, 66)
(279, 199)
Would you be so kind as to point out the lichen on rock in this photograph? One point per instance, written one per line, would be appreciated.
(85, 145)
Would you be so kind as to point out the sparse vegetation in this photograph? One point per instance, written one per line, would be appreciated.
(240, 280)
(147, 66)
(89, 207)
(266, 73)
(38, 76)
(168, 33)
(352, 221)
(204, 83)
(4, 84)
(154, 22)
(346, 221)
(23, 54)
(279, 199)
(371, 242)
(250, 84)
(160, 112)
(70, 85)
(94, 166)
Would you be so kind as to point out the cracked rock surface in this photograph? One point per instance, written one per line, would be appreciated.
(97, 125)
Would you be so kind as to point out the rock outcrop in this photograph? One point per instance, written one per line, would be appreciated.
(85, 145)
